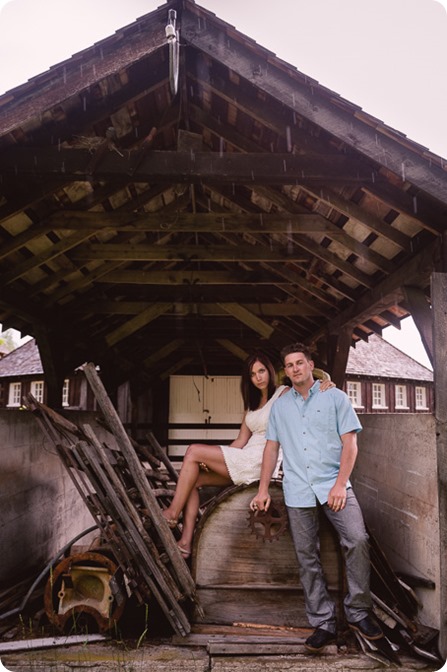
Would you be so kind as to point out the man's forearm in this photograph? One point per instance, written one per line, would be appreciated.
(269, 460)
(348, 458)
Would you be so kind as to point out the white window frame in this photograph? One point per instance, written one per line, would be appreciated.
(15, 395)
(421, 392)
(400, 392)
(354, 392)
(37, 390)
(65, 392)
(379, 395)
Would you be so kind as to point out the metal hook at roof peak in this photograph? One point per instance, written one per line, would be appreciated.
(172, 37)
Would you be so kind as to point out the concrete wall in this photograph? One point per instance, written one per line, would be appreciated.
(40, 508)
(395, 480)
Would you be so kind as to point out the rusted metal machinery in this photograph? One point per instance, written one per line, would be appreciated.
(85, 584)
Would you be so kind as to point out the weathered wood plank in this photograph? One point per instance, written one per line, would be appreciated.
(422, 315)
(136, 538)
(191, 277)
(385, 294)
(295, 309)
(246, 317)
(251, 168)
(271, 607)
(53, 250)
(162, 456)
(187, 222)
(138, 322)
(124, 507)
(139, 476)
(241, 576)
(363, 216)
(223, 648)
(141, 252)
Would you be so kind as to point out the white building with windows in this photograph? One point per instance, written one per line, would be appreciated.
(380, 378)
(21, 372)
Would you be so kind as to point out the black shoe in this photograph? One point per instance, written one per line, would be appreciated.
(368, 627)
(319, 639)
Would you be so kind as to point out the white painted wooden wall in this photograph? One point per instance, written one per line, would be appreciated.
(197, 399)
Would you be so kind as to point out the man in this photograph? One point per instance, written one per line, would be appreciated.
(318, 436)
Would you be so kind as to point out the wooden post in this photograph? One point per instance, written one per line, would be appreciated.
(439, 302)
(422, 315)
(338, 353)
(51, 352)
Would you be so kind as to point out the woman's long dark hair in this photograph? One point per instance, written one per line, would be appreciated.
(250, 394)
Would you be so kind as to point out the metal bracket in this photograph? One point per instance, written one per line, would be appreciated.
(172, 37)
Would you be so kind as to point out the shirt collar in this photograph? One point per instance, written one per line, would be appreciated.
(315, 388)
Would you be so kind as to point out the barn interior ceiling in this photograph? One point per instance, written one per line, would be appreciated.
(175, 196)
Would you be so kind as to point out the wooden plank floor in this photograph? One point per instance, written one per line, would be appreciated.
(248, 639)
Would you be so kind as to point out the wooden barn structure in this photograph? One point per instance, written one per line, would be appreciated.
(176, 195)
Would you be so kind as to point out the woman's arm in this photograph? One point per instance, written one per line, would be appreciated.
(261, 501)
(242, 438)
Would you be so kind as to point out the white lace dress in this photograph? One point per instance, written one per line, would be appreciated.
(244, 464)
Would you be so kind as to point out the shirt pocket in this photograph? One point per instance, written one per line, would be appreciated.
(320, 424)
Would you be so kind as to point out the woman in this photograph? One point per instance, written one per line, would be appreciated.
(238, 463)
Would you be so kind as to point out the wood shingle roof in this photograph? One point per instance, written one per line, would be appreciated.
(380, 358)
(23, 361)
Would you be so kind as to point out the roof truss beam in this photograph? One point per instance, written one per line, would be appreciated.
(184, 167)
(385, 294)
(274, 81)
(203, 252)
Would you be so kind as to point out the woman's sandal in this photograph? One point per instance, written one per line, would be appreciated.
(172, 522)
(184, 551)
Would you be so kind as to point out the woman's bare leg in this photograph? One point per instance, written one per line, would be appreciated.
(191, 508)
(196, 453)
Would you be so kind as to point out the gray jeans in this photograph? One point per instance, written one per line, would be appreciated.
(350, 527)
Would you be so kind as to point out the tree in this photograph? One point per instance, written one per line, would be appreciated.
(9, 339)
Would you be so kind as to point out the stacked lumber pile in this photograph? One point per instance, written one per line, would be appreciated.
(124, 492)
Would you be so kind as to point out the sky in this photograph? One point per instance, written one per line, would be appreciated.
(387, 56)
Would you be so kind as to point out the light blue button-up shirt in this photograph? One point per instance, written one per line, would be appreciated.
(309, 432)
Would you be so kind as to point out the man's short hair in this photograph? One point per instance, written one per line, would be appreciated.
(295, 347)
